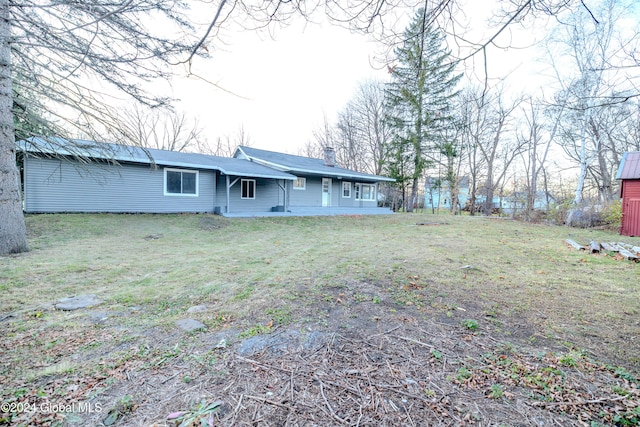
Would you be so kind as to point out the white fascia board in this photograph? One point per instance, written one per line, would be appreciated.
(372, 178)
(229, 171)
(318, 172)
(257, 175)
(275, 166)
(241, 152)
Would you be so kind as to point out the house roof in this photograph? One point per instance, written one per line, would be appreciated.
(629, 166)
(123, 153)
(302, 165)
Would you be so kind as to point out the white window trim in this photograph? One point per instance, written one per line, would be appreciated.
(197, 173)
(304, 180)
(343, 187)
(359, 192)
(255, 188)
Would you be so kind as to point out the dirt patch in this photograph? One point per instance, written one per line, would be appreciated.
(391, 372)
(361, 357)
(210, 223)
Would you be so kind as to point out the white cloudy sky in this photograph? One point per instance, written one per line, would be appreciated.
(286, 85)
(281, 87)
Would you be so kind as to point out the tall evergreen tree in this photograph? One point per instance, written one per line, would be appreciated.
(419, 101)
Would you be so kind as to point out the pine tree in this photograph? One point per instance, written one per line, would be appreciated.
(419, 101)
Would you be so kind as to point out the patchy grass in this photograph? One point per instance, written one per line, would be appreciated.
(486, 277)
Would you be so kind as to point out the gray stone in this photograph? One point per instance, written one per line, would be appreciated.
(316, 340)
(190, 325)
(278, 343)
(77, 302)
(197, 309)
(220, 338)
(98, 316)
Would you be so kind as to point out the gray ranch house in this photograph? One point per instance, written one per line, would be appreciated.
(98, 177)
(320, 183)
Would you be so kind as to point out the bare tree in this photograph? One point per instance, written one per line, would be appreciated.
(225, 146)
(536, 142)
(368, 105)
(163, 129)
(473, 121)
(591, 41)
(323, 136)
(361, 133)
(347, 142)
(311, 149)
(54, 47)
(51, 50)
(496, 150)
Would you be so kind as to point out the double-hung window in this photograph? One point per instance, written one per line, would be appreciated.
(248, 189)
(300, 184)
(365, 192)
(180, 182)
(346, 190)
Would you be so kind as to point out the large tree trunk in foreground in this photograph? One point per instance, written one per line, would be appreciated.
(13, 232)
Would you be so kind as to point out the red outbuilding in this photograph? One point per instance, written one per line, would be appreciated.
(629, 176)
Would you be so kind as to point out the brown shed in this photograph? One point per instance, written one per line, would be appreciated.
(629, 176)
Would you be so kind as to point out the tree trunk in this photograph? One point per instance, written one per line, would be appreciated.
(413, 196)
(488, 191)
(533, 187)
(13, 232)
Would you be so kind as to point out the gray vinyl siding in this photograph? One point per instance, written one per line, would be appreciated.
(268, 195)
(311, 196)
(59, 185)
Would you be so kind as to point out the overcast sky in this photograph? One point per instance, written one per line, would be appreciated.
(281, 87)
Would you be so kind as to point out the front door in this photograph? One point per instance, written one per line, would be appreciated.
(326, 191)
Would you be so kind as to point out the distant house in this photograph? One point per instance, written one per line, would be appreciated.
(438, 195)
(100, 177)
(517, 202)
(629, 176)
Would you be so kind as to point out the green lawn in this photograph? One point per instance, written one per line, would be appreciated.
(502, 279)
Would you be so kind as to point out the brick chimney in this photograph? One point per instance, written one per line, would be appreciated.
(329, 156)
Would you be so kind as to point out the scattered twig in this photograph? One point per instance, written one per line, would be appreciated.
(333, 414)
(264, 365)
(581, 402)
(269, 401)
(415, 342)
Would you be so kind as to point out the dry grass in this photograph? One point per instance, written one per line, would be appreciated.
(518, 283)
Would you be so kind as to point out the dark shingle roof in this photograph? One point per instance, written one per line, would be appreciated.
(629, 166)
(303, 165)
(123, 153)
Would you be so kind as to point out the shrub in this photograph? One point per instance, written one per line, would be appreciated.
(557, 213)
(612, 214)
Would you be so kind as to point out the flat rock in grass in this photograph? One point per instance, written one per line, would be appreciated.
(77, 302)
(197, 309)
(190, 325)
(98, 316)
(283, 342)
(316, 340)
(274, 343)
